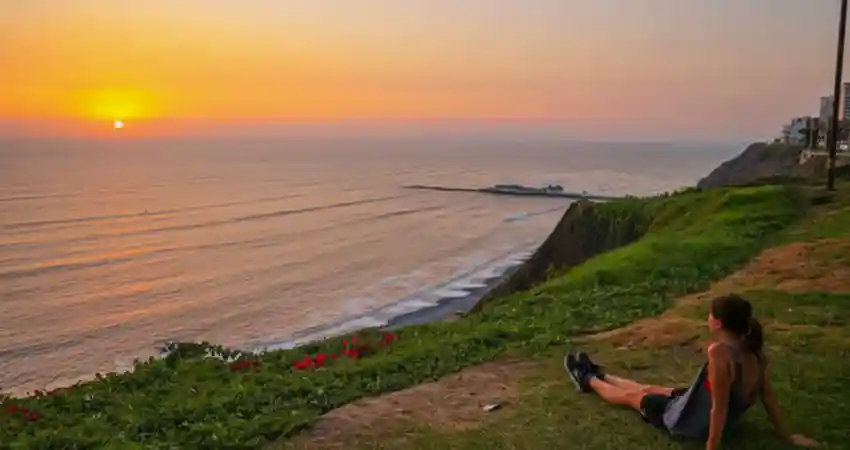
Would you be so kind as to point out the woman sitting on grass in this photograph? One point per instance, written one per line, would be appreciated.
(735, 376)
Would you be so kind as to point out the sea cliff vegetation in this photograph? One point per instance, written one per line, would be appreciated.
(638, 256)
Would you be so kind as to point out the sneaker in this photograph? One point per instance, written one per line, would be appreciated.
(579, 373)
(594, 369)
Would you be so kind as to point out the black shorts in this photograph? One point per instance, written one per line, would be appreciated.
(652, 406)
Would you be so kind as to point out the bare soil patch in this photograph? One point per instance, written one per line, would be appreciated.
(802, 267)
(454, 403)
(665, 331)
(797, 267)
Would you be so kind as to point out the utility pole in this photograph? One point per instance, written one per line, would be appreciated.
(832, 140)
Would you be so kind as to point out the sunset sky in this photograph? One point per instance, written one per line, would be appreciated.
(673, 68)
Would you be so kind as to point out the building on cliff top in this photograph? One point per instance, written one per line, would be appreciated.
(802, 131)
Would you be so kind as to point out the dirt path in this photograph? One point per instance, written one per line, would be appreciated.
(798, 267)
(456, 402)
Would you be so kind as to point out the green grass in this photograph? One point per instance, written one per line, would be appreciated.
(829, 218)
(818, 309)
(810, 354)
(186, 401)
(815, 309)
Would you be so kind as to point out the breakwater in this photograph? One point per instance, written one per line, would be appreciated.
(516, 192)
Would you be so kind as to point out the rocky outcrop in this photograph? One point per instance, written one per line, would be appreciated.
(758, 162)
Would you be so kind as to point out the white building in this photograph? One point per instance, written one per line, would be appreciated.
(801, 131)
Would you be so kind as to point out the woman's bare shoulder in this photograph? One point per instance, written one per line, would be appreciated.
(719, 352)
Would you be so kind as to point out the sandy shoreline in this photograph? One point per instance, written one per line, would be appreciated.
(450, 308)
(413, 310)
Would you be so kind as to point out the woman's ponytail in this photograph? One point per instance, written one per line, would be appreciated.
(754, 338)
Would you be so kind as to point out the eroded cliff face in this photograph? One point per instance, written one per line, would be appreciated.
(587, 229)
(761, 161)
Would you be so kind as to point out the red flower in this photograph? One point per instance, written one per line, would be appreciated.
(313, 362)
(301, 365)
(306, 363)
(33, 416)
(389, 337)
(12, 409)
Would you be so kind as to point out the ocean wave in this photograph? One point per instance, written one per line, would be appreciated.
(202, 225)
(37, 197)
(466, 287)
(54, 267)
(146, 213)
(162, 252)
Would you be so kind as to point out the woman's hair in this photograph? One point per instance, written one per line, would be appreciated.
(735, 314)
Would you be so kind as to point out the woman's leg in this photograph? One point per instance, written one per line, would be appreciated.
(629, 385)
(623, 383)
(617, 395)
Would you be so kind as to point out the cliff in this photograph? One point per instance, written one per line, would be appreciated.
(587, 229)
(758, 162)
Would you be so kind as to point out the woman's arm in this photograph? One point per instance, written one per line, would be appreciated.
(774, 412)
(771, 405)
(720, 377)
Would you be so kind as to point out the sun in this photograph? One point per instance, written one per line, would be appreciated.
(118, 124)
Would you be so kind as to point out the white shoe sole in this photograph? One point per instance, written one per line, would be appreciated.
(571, 376)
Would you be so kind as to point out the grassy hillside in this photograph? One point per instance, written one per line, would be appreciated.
(800, 288)
(191, 401)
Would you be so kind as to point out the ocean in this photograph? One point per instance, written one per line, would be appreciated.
(109, 249)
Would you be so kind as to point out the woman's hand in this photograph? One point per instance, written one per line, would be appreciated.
(803, 441)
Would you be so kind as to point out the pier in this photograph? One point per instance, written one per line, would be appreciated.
(524, 192)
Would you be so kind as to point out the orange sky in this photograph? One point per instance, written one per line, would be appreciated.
(594, 65)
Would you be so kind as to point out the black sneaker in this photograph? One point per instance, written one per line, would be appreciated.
(579, 373)
(594, 369)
